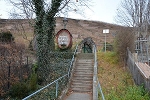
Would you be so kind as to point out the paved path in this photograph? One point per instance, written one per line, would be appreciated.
(81, 87)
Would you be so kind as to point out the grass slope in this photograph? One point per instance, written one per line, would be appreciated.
(116, 81)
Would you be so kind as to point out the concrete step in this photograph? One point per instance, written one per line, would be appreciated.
(81, 90)
(78, 83)
(85, 56)
(83, 78)
(85, 61)
(83, 75)
(82, 81)
(84, 72)
(82, 86)
(84, 68)
(84, 65)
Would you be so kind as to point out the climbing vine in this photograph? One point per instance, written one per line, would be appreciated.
(45, 29)
(44, 12)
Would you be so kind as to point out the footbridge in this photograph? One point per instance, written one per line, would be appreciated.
(82, 81)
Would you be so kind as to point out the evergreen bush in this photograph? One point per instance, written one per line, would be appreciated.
(33, 78)
(19, 90)
(33, 82)
(6, 37)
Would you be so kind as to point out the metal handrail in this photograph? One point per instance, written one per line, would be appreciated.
(95, 68)
(56, 81)
(69, 71)
(100, 89)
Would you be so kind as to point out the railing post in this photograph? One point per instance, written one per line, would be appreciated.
(56, 88)
(68, 73)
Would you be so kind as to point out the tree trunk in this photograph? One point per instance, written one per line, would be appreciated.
(44, 29)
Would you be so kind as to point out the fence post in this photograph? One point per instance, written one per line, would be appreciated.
(27, 60)
(56, 88)
(148, 84)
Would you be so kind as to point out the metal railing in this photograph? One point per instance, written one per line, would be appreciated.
(73, 58)
(100, 90)
(56, 82)
(95, 78)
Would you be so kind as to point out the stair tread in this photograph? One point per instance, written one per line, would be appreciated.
(79, 83)
(82, 79)
(84, 68)
(81, 90)
(81, 87)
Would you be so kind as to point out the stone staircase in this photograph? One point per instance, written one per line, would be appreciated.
(82, 78)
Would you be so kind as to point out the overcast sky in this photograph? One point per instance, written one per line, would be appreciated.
(101, 10)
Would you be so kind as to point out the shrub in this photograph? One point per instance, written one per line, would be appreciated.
(6, 37)
(33, 82)
(33, 78)
(125, 38)
(19, 90)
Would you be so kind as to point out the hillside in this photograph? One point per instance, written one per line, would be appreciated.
(79, 29)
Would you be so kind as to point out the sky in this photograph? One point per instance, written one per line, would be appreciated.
(100, 10)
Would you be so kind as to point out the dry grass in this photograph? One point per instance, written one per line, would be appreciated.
(23, 38)
(78, 28)
(112, 74)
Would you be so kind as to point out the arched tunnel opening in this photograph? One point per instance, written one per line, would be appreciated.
(87, 45)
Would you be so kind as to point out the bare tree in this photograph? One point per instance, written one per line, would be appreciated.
(125, 38)
(11, 65)
(44, 13)
(134, 13)
(24, 28)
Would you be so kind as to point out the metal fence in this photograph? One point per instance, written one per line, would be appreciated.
(53, 89)
(140, 71)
